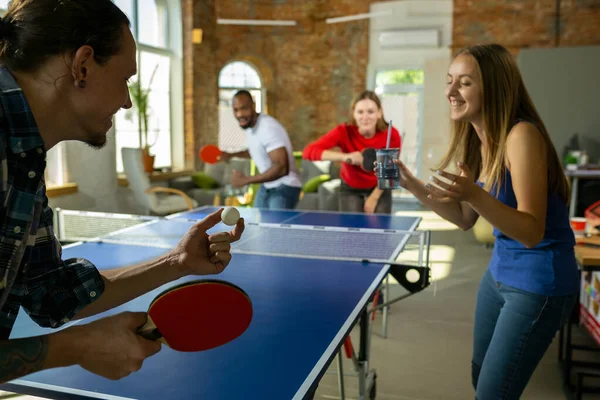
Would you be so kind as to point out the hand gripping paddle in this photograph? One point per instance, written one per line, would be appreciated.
(369, 157)
(198, 315)
(210, 153)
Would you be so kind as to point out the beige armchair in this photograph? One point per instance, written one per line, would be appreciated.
(484, 232)
(152, 200)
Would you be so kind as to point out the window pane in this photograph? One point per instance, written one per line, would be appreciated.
(124, 139)
(153, 22)
(234, 76)
(55, 173)
(239, 75)
(4, 4)
(231, 137)
(393, 77)
(126, 133)
(154, 72)
(127, 7)
(159, 135)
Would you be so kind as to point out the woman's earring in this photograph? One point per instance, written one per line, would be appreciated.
(82, 84)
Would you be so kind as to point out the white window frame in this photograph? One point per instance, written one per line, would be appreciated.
(174, 50)
(263, 101)
(261, 88)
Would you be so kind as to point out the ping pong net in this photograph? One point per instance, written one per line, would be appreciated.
(74, 225)
(321, 242)
(364, 245)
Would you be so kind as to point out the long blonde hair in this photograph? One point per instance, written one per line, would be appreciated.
(367, 94)
(505, 101)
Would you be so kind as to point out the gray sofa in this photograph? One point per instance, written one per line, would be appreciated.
(221, 172)
(326, 198)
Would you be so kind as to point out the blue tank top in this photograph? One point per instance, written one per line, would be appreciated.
(550, 268)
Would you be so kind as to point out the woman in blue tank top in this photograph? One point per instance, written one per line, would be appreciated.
(509, 173)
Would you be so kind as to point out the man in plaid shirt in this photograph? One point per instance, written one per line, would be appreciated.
(65, 81)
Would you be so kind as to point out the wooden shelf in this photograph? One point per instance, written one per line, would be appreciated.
(61, 190)
(158, 176)
(588, 256)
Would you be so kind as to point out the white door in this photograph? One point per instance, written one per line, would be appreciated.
(402, 103)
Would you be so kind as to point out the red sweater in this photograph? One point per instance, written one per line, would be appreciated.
(347, 138)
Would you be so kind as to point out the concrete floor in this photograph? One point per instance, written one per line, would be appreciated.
(427, 353)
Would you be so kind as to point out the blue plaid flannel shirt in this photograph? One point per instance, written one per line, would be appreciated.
(32, 272)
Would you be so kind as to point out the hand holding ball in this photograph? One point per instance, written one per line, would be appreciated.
(230, 216)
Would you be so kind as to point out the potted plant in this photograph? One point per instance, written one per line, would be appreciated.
(140, 99)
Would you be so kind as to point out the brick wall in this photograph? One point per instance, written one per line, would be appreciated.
(200, 84)
(520, 24)
(312, 70)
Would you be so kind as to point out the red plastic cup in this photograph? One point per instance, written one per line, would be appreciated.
(578, 225)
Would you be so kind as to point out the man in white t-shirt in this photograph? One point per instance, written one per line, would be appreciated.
(270, 148)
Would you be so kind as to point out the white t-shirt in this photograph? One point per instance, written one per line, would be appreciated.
(268, 135)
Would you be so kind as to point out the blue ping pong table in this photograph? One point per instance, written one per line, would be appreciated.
(303, 309)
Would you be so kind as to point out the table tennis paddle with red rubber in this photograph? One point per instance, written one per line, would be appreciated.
(210, 153)
(198, 315)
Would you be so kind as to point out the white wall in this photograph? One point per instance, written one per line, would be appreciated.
(425, 14)
(564, 86)
(436, 115)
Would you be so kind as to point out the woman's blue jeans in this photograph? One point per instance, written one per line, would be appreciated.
(513, 330)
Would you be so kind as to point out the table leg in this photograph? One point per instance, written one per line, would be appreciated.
(384, 322)
(341, 376)
(363, 355)
(573, 204)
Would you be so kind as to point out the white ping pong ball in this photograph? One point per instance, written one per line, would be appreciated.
(412, 275)
(230, 216)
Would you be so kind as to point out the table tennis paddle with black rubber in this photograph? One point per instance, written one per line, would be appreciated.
(198, 315)
(369, 157)
(210, 153)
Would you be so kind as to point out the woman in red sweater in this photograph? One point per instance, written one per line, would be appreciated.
(367, 129)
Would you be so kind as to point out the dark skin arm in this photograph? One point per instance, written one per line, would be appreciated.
(240, 154)
(279, 167)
